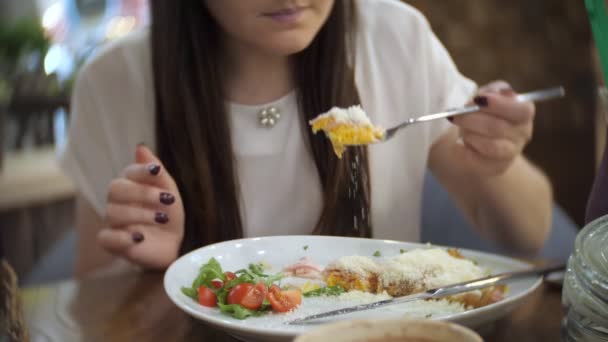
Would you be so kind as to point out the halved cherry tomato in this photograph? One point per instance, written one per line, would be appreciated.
(283, 300)
(248, 295)
(217, 283)
(206, 297)
(238, 292)
(254, 299)
(229, 276)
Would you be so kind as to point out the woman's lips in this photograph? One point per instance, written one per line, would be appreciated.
(285, 16)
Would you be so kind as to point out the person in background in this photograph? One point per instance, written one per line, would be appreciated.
(169, 154)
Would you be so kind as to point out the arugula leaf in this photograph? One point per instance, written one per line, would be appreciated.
(257, 269)
(221, 294)
(237, 311)
(266, 306)
(254, 275)
(209, 271)
(190, 292)
(325, 291)
(272, 278)
(377, 254)
(243, 276)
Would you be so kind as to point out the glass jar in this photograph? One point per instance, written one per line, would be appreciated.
(585, 291)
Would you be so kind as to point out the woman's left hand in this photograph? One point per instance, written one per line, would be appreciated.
(496, 135)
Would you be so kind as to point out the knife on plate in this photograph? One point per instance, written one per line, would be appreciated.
(439, 292)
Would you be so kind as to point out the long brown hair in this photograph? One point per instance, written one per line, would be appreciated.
(193, 131)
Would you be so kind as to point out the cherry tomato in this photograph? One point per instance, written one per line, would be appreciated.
(254, 299)
(229, 276)
(238, 292)
(283, 301)
(217, 283)
(248, 295)
(206, 297)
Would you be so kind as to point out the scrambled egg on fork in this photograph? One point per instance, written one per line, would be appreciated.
(350, 126)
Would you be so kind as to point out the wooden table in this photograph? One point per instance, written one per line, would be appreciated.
(134, 307)
(31, 178)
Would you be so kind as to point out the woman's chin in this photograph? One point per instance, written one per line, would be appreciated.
(287, 47)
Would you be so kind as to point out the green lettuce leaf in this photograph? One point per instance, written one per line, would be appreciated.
(237, 311)
(190, 292)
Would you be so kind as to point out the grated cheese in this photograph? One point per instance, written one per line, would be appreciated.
(360, 265)
(310, 306)
(353, 114)
(428, 268)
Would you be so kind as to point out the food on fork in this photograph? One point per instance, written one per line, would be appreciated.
(347, 126)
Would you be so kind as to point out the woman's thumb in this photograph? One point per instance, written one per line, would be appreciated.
(143, 155)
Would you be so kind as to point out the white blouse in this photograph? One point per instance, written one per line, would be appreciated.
(402, 70)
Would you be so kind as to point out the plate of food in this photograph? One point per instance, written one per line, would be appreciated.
(254, 288)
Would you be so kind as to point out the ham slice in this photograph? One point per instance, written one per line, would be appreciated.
(304, 268)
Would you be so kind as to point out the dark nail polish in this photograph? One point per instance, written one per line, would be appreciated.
(481, 101)
(154, 169)
(450, 119)
(161, 218)
(166, 198)
(137, 237)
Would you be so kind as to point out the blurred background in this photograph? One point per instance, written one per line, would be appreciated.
(529, 43)
(42, 45)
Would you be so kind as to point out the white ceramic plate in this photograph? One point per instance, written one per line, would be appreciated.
(280, 251)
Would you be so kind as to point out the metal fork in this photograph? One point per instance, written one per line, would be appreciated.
(539, 95)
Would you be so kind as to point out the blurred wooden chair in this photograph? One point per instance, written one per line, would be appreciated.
(12, 324)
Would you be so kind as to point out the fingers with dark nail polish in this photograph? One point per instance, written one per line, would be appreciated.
(137, 237)
(161, 218)
(166, 198)
(481, 101)
(154, 169)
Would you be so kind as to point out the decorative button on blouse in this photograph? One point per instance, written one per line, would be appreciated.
(269, 117)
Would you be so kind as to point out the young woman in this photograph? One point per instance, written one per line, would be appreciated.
(169, 153)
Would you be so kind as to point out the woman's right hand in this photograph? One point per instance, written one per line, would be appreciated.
(144, 214)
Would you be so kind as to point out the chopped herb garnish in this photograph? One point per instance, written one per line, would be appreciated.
(305, 247)
(325, 291)
(428, 316)
(401, 251)
(377, 254)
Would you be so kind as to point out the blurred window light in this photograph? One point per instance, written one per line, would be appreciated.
(52, 60)
(53, 15)
(120, 26)
(58, 60)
